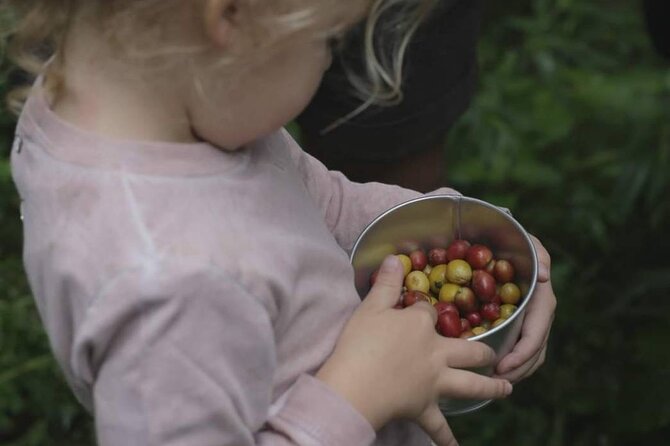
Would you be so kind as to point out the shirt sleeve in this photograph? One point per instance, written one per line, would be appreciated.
(348, 207)
(187, 358)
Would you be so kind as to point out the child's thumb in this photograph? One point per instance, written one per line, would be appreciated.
(385, 293)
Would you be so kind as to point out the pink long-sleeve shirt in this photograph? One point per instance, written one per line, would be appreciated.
(190, 294)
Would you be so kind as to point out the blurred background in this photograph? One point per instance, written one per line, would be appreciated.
(570, 129)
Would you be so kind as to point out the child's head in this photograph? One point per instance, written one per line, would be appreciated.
(250, 43)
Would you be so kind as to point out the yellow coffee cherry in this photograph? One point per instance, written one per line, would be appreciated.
(510, 293)
(437, 277)
(448, 292)
(479, 330)
(417, 281)
(506, 310)
(459, 271)
(497, 322)
(406, 263)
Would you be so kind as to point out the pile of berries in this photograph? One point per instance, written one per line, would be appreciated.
(471, 290)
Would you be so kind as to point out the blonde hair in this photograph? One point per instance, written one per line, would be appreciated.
(39, 29)
(388, 31)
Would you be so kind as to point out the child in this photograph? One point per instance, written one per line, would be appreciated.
(189, 261)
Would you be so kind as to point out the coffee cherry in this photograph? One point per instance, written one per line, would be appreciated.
(503, 271)
(474, 318)
(457, 249)
(437, 256)
(490, 266)
(478, 256)
(406, 263)
(417, 281)
(437, 277)
(465, 300)
(510, 293)
(483, 284)
(449, 324)
(459, 271)
(497, 322)
(479, 330)
(419, 259)
(445, 307)
(409, 298)
(490, 312)
(448, 292)
(507, 310)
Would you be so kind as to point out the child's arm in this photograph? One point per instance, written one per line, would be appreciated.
(183, 355)
(348, 207)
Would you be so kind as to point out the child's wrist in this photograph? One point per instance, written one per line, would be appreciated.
(355, 394)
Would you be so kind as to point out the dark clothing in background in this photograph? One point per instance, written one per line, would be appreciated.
(440, 78)
(657, 15)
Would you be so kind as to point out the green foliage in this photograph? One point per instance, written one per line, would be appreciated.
(36, 406)
(571, 130)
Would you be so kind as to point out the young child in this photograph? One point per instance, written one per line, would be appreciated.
(190, 262)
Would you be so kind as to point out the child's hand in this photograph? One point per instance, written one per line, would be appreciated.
(528, 354)
(392, 364)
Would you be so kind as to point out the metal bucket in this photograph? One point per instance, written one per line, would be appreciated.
(436, 220)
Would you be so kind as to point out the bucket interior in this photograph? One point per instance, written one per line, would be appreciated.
(435, 221)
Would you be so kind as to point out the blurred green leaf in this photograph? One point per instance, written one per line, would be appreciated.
(573, 111)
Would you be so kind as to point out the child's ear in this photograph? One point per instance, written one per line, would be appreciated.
(221, 18)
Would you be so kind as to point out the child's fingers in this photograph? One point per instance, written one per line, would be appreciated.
(463, 353)
(432, 421)
(543, 259)
(538, 363)
(456, 383)
(528, 368)
(425, 307)
(535, 328)
(388, 285)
